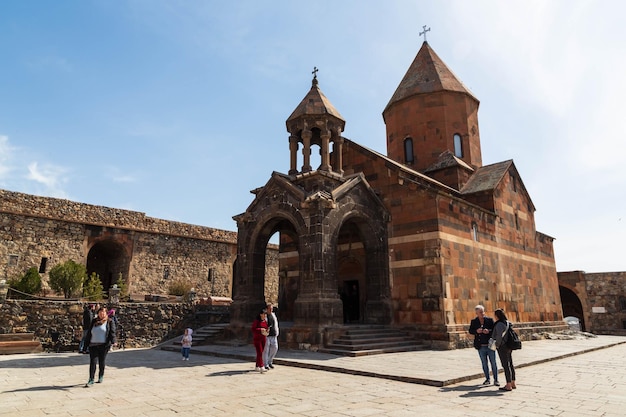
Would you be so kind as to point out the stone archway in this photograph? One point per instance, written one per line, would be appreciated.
(350, 286)
(572, 305)
(362, 271)
(317, 214)
(249, 283)
(108, 259)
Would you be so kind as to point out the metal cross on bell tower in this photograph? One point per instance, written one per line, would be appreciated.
(424, 32)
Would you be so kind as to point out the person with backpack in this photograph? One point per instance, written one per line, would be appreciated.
(500, 334)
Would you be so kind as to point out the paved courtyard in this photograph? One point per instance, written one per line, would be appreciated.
(152, 382)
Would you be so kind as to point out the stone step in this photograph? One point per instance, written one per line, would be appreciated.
(366, 340)
(371, 345)
(367, 352)
(14, 337)
(371, 340)
(370, 330)
(15, 343)
(202, 334)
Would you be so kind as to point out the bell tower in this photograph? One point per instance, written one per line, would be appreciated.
(315, 121)
(432, 112)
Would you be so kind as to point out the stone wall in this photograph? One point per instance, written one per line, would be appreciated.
(145, 324)
(74, 212)
(148, 254)
(606, 295)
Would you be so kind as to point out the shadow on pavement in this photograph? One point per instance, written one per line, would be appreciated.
(129, 358)
(470, 391)
(46, 388)
(232, 373)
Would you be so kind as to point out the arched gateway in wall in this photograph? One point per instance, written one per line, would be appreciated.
(110, 261)
(334, 222)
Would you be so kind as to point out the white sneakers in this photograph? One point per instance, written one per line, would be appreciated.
(260, 369)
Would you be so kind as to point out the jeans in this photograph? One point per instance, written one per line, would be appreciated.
(484, 352)
(185, 352)
(507, 363)
(271, 347)
(81, 346)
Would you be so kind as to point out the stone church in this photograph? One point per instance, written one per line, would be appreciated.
(412, 238)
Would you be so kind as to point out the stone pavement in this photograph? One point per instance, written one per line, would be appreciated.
(153, 382)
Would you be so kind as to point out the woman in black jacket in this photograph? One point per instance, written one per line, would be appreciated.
(504, 352)
(99, 340)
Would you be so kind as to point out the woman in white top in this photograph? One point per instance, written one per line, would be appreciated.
(99, 340)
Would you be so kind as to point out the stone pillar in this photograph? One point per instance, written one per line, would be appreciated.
(306, 150)
(318, 305)
(4, 288)
(338, 151)
(293, 151)
(114, 295)
(325, 152)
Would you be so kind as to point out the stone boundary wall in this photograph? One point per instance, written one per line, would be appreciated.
(605, 290)
(145, 324)
(70, 211)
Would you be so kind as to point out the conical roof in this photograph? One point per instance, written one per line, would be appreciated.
(315, 103)
(427, 74)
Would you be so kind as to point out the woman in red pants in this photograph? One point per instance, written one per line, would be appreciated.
(259, 337)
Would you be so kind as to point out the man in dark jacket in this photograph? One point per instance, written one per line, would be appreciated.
(89, 312)
(482, 327)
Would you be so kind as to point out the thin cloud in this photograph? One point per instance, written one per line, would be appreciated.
(50, 176)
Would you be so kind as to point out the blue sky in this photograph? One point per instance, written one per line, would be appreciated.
(178, 108)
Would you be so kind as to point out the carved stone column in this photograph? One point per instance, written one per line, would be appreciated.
(293, 150)
(338, 151)
(306, 150)
(325, 151)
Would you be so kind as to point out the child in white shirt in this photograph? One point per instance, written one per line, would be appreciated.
(186, 343)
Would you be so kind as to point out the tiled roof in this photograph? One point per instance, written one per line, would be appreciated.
(447, 160)
(427, 74)
(487, 177)
(315, 103)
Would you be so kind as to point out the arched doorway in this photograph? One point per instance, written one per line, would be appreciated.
(362, 279)
(280, 284)
(351, 285)
(572, 307)
(109, 260)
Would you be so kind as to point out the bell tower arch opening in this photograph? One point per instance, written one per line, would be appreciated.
(109, 260)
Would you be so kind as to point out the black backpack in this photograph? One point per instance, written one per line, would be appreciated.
(512, 339)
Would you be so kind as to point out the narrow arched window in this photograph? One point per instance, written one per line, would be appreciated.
(458, 146)
(409, 158)
(475, 231)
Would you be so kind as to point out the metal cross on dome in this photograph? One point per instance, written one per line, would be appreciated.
(314, 72)
(424, 32)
